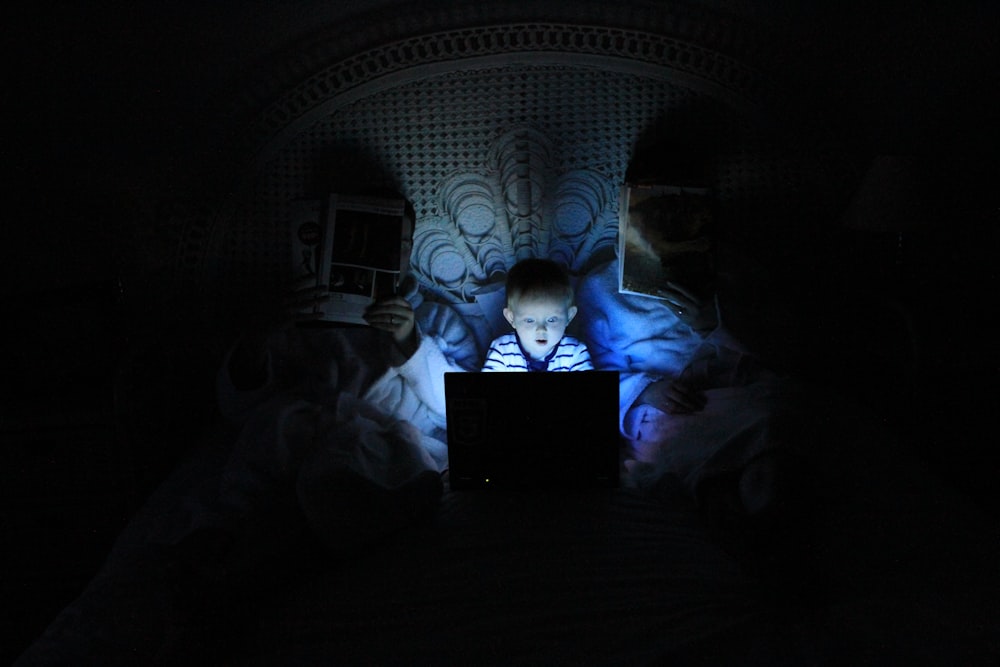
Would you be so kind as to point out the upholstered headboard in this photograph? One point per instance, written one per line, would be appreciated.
(510, 139)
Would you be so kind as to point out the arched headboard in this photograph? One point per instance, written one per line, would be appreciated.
(510, 139)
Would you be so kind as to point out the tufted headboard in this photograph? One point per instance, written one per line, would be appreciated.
(510, 139)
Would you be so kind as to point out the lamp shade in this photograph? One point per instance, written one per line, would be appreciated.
(890, 198)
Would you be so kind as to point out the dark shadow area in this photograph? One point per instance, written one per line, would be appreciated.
(108, 386)
(347, 168)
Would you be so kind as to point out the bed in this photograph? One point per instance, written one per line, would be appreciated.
(573, 577)
(482, 127)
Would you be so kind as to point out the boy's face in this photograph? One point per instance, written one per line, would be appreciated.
(540, 322)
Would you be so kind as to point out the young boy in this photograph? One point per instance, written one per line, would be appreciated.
(539, 307)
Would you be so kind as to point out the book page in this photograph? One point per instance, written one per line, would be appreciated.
(358, 258)
(658, 235)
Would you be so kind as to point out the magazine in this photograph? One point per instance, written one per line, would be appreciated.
(661, 239)
(348, 251)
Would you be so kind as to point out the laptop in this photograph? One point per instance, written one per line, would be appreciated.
(532, 430)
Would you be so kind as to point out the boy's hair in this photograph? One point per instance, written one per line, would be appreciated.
(538, 277)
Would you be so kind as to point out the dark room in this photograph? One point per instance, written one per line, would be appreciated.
(258, 253)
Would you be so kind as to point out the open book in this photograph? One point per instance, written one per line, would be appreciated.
(347, 251)
(662, 237)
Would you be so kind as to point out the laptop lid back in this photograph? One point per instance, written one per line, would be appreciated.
(532, 430)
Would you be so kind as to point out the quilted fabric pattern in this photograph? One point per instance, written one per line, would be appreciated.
(509, 141)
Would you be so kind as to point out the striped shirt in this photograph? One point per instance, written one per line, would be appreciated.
(506, 354)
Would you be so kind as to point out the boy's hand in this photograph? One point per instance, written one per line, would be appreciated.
(395, 315)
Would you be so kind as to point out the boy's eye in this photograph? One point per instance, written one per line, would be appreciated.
(553, 320)
(529, 320)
